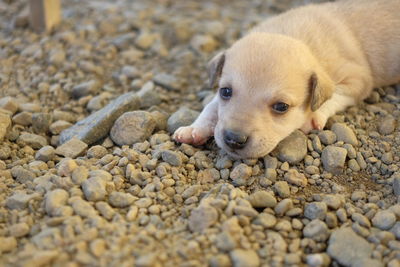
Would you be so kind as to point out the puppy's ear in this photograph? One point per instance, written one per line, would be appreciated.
(215, 68)
(321, 88)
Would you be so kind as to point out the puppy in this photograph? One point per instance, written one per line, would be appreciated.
(294, 71)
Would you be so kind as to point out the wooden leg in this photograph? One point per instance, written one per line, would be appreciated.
(44, 14)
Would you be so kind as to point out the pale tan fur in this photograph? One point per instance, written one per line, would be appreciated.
(350, 46)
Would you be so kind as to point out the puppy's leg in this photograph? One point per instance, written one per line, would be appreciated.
(202, 128)
(335, 104)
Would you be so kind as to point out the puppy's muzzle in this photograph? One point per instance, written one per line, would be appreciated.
(235, 139)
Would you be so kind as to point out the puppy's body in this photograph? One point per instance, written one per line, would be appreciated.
(317, 60)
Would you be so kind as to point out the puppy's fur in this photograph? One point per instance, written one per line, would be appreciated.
(318, 59)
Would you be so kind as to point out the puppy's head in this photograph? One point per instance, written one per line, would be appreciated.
(268, 86)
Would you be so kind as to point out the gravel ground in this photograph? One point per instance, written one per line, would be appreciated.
(89, 174)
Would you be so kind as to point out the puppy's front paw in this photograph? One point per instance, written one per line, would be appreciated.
(191, 135)
(318, 121)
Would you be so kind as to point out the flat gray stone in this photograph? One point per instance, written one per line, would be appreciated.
(182, 117)
(333, 159)
(346, 247)
(72, 148)
(344, 133)
(5, 123)
(33, 140)
(97, 125)
(293, 148)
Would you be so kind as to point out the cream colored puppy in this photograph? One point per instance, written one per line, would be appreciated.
(296, 70)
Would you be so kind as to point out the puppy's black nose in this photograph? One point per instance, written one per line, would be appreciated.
(234, 139)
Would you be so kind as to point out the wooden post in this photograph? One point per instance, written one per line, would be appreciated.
(44, 14)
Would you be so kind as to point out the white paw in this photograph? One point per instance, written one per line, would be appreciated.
(191, 135)
(316, 122)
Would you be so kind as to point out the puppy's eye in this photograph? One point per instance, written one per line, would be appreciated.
(280, 107)
(225, 93)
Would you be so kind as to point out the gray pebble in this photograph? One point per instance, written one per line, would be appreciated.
(293, 148)
(120, 199)
(282, 188)
(54, 200)
(333, 159)
(202, 218)
(182, 117)
(327, 137)
(344, 133)
(316, 230)
(315, 210)
(384, 219)
(72, 148)
(244, 258)
(387, 125)
(240, 174)
(45, 154)
(132, 127)
(33, 140)
(172, 157)
(262, 199)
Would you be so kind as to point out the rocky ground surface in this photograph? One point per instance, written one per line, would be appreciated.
(120, 77)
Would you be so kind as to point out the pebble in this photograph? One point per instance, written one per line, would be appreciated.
(240, 174)
(202, 218)
(132, 127)
(347, 247)
(167, 81)
(318, 260)
(120, 199)
(9, 103)
(45, 154)
(41, 122)
(293, 148)
(244, 258)
(262, 199)
(85, 88)
(283, 206)
(316, 230)
(282, 188)
(7, 244)
(266, 220)
(333, 159)
(33, 140)
(327, 137)
(96, 152)
(294, 177)
(98, 124)
(54, 200)
(315, 210)
(19, 229)
(384, 219)
(5, 123)
(387, 125)
(72, 148)
(396, 186)
(344, 133)
(94, 188)
(19, 200)
(182, 117)
(204, 43)
(172, 157)
(59, 126)
(23, 118)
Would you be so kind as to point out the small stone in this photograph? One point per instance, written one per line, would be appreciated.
(315, 210)
(220, 260)
(57, 56)
(72, 149)
(333, 159)
(41, 122)
(94, 188)
(333, 201)
(172, 157)
(23, 118)
(54, 200)
(33, 140)
(204, 43)
(183, 117)
(396, 186)
(270, 162)
(19, 200)
(45, 154)
(83, 208)
(346, 247)
(318, 260)
(245, 211)
(283, 206)
(266, 220)
(149, 97)
(316, 230)
(5, 123)
(145, 40)
(240, 174)
(344, 133)
(66, 166)
(22, 175)
(368, 263)
(9, 103)
(293, 148)
(59, 126)
(327, 137)
(85, 88)
(132, 127)
(202, 218)
(79, 175)
(120, 199)
(282, 188)
(96, 152)
(7, 244)
(296, 178)
(167, 81)
(353, 165)
(262, 199)
(244, 258)
(387, 125)
(384, 219)
(19, 229)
